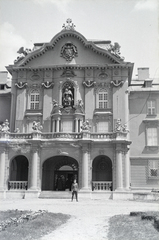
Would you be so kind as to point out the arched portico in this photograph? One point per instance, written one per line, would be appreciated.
(18, 175)
(58, 173)
(102, 173)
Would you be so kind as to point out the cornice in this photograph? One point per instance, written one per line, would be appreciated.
(13, 68)
(68, 33)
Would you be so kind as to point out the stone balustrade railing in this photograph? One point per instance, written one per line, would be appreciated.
(73, 135)
(101, 135)
(61, 135)
(17, 185)
(102, 186)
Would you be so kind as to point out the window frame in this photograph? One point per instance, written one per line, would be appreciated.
(154, 137)
(151, 123)
(150, 108)
(104, 101)
(153, 165)
(34, 102)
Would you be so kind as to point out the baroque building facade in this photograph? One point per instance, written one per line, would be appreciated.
(71, 104)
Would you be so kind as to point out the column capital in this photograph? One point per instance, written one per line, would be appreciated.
(35, 149)
(2, 150)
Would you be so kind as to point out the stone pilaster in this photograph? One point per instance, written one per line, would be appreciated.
(119, 169)
(34, 170)
(85, 168)
(13, 102)
(2, 168)
(127, 171)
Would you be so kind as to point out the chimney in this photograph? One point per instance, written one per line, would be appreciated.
(143, 73)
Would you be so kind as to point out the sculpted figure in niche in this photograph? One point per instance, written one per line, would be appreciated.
(67, 98)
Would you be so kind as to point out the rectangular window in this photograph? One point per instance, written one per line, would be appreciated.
(153, 168)
(102, 99)
(151, 107)
(152, 137)
(34, 99)
(102, 127)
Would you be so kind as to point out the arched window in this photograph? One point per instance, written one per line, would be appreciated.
(103, 99)
(34, 99)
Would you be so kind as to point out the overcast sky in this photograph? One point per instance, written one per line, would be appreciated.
(131, 23)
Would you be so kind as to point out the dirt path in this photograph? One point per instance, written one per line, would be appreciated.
(89, 219)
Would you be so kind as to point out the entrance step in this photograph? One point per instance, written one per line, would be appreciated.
(55, 194)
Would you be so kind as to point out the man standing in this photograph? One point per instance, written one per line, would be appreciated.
(74, 190)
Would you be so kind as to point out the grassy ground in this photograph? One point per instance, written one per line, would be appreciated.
(131, 228)
(32, 229)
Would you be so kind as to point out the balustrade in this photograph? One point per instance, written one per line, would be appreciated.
(20, 135)
(102, 135)
(102, 186)
(73, 135)
(17, 185)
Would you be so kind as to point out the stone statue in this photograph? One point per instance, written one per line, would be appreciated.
(118, 126)
(67, 98)
(37, 127)
(121, 128)
(86, 126)
(17, 130)
(5, 127)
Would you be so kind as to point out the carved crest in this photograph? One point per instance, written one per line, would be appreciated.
(69, 51)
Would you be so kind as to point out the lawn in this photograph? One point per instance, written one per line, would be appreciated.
(31, 229)
(128, 227)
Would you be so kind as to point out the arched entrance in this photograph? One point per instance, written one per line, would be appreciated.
(18, 178)
(102, 173)
(19, 169)
(58, 173)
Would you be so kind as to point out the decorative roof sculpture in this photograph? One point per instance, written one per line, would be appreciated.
(69, 26)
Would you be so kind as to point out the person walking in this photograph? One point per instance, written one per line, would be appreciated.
(74, 189)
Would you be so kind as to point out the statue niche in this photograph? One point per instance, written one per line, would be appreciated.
(68, 95)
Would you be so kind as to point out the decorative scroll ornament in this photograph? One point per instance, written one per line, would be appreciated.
(117, 83)
(89, 83)
(103, 75)
(69, 51)
(69, 26)
(48, 84)
(68, 73)
(120, 128)
(4, 127)
(21, 84)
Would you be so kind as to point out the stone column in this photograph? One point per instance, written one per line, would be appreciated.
(2, 168)
(76, 125)
(13, 102)
(85, 158)
(127, 153)
(34, 170)
(53, 126)
(80, 124)
(119, 170)
(58, 125)
(127, 171)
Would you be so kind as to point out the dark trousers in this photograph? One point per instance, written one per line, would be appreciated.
(74, 193)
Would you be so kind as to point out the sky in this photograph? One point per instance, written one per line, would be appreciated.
(134, 24)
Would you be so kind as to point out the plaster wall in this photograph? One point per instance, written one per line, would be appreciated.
(5, 106)
(138, 113)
